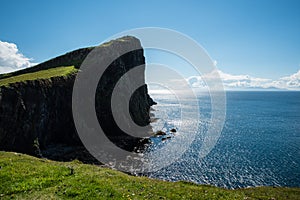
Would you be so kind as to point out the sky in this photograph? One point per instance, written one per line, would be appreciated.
(250, 40)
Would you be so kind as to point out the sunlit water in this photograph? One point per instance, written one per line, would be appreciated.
(259, 144)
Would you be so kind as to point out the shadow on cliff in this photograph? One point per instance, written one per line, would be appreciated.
(36, 116)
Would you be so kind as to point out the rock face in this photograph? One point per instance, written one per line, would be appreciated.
(36, 116)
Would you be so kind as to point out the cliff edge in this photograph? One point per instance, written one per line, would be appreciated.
(36, 105)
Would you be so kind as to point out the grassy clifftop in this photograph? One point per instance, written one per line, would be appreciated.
(26, 177)
(42, 74)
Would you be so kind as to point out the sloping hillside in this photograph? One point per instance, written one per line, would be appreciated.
(26, 177)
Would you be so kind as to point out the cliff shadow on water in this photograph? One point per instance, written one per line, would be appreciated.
(36, 113)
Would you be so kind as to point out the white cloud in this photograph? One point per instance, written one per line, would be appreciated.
(292, 81)
(215, 63)
(244, 82)
(11, 59)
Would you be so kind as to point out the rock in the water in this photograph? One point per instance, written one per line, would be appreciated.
(173, 130)
(159, 133)
(166, 138)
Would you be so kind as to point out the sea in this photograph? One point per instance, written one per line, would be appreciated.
(259, 144)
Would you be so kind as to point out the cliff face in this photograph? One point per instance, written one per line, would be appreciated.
(36, 111)
(36, 116)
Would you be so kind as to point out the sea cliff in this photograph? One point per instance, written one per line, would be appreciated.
(36, 115)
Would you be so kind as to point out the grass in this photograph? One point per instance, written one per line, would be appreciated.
(42, 74)
(26, 177)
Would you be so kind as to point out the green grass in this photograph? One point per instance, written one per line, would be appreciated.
(26, 177)
(42, 74)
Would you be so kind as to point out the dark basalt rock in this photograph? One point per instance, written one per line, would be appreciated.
(159, 133)
(173, 130)
(40, 111)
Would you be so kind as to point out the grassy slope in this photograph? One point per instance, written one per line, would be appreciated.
(42, 74)
(26, 177)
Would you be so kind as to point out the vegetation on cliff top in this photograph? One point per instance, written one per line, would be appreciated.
(42, 74)
(60, 66)
(72, 58)
(26, 177)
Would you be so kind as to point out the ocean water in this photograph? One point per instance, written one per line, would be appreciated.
(258, 146)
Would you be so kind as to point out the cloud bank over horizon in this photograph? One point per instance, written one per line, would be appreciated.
(246, 82)
(11, 59)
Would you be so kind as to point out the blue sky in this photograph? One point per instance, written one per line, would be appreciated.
(257, 38)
